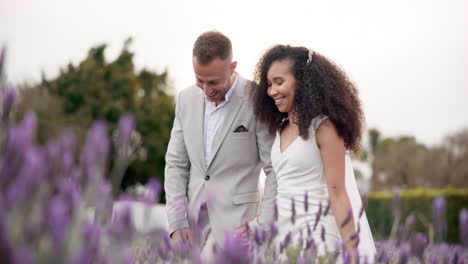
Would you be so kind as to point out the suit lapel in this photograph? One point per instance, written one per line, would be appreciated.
(199, 114)
(234, 106)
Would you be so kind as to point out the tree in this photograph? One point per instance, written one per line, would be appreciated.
(407, 163)
(97, 89)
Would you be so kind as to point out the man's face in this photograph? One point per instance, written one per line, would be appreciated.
(214, 78)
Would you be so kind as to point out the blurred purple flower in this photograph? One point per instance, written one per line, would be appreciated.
(273, 232)
(287, 239)
(404, 255)
(96, 148)
(275, 210)
(463, 224)
(25, 255)
(317, 216)
(310, 243)
(126, 126)
(347, 219)
(8, 100)
(229, 252)
(418, 245)
(122, 227)
(439, 217)
(259, 236)
(327, 208)
(28, 126)
(152, 192)
(322, 234)
(293, 211)
(70, 189)
(91, 237)
(346, 257)
(306, 202)
(31, 172)
(57, 219)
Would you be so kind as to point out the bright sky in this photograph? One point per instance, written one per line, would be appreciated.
(409, 58)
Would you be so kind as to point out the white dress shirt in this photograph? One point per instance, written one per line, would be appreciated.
(214, 116)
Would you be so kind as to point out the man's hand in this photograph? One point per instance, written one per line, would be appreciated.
(245, 234)
(183, 235)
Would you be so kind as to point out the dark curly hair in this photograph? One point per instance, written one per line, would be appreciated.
(322, 88)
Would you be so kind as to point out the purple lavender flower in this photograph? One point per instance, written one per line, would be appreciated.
(126, 126)
(347, 219)
(327, 209)
(31, 172)
(300, 239)
(58, 219)
(322, 234)
(153, 191)
(70, 189)
(404, 255)
(306, 202)
(229, 252)
(273, 232)
(275, 210)
(259, 236)
(28, 125)
(346, 257)
(8, 100)
(317, 216)
(287, 239)
(122, 227)
(25, 255)
(439, 217)
(418, 245)
(293, 210)
(463, 224)
(310, 243)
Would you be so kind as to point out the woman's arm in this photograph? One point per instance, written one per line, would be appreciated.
(332, 151)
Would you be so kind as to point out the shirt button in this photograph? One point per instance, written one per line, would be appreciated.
(207, 177)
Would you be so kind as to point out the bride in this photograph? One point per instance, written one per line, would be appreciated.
(316, 114)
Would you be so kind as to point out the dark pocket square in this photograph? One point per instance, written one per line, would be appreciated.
(240, 128)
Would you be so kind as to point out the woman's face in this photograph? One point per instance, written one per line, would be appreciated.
(282, 85)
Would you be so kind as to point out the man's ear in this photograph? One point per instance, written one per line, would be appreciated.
(233, 66)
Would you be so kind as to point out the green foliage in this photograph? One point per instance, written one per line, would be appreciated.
(419, 201)
(405, 162)
(98, 89)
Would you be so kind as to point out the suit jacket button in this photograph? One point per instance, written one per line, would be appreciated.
(207, 177)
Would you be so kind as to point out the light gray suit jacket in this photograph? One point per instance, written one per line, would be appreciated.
(229, 183)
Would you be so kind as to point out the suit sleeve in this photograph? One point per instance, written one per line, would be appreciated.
(264, 143)
(177, 173)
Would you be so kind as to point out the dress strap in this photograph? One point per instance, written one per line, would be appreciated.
(317, 121)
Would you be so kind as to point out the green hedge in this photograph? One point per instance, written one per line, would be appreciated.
(380, 210)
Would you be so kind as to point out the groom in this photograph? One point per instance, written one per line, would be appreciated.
(216, 152)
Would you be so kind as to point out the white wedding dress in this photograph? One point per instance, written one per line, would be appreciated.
(299, 169)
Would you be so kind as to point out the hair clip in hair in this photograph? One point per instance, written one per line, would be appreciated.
(309, 59)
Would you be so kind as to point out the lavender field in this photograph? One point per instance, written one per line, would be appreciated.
(57, 207)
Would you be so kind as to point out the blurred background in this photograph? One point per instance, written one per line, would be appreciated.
(73, 62)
